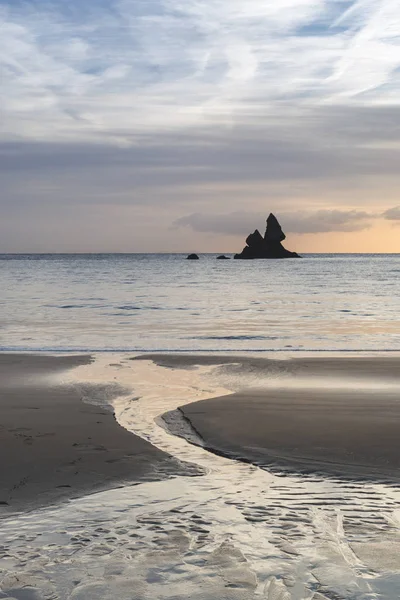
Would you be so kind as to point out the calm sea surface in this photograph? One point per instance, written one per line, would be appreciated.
(162, 302)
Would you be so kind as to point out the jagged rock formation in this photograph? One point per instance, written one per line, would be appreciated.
(192, 257)
(269, 246)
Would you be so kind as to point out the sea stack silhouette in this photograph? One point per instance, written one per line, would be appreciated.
(269, 246)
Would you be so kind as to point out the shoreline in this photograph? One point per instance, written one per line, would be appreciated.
(55, 445)
(327, 416)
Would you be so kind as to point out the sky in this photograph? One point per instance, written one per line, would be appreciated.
(179, 125)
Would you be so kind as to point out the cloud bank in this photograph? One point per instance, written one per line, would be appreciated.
(320, 221)
(393, 214)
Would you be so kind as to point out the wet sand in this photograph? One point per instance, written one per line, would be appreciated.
(341, 433)
(338, 416)
(238, 532)
(364, 368)
(54, 447)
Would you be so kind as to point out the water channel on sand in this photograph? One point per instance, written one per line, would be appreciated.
(235, 532)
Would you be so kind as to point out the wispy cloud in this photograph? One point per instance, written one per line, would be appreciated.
(123, 67)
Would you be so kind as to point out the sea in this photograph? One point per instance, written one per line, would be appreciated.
(164, 303)
(235, 531)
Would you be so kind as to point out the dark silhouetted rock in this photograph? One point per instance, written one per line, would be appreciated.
(273, 232)
(255, 240)
(192, 257)
(269, 246)
(223, 257)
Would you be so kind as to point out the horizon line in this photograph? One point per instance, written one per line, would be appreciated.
(91, 253)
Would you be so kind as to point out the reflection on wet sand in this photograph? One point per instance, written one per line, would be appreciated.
(237, 532)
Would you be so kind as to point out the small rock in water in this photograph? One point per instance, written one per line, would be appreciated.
(223, 257)
(192, 257)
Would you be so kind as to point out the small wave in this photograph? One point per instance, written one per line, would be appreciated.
(236, 337)
(70, 306)
(200, 351)
(133, 307)
(171, 308)
(67, 306)
(119, 314)
(73, 306)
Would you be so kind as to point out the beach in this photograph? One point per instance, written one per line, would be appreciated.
(229, 477)
(54, 446)
(332, 415)
(339, 416)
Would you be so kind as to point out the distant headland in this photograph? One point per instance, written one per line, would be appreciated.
(269, 246)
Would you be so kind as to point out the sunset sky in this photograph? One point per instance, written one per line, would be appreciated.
(178, 125)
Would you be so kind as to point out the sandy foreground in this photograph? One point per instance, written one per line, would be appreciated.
(237, 532)
(337, 415)
(342, 433)
(54, 446)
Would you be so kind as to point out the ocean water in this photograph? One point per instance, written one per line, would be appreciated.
(238, 532)
(162, 302)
